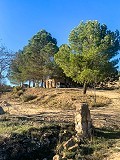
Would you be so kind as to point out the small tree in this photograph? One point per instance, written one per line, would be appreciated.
(16, 70)
(5, 57)
(89, 56)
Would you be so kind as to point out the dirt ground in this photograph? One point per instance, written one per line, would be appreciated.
(47, 107)
(110, 114)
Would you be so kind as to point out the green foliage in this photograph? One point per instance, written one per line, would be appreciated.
(36, 61)
(29, 97)
(89, 57)
(16, 71)
(18, 91)
(40, 52)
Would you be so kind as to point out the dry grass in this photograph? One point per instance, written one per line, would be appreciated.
(57, 106)
(63, 98)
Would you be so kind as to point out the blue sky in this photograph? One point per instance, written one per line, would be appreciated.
(21, 19)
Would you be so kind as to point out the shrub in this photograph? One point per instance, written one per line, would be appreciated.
(20, 92)
(29, 97)
(5, 88)
(16, 89)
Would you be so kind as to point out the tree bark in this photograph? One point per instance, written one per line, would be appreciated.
(29, 83)
(37, 84)
(84, 88)
(94, 94)
(33, 83)
(21, 84)
(42, 83)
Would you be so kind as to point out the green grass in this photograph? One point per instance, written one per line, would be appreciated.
(9, 127)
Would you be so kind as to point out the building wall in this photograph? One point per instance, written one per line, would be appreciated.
(51, 83)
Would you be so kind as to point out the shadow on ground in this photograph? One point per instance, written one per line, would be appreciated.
(31, 145)
(40, 143)
(107, 134)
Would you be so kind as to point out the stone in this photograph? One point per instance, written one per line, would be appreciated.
(83, 122)
(71, 142)
(56, 157)
(73, 147)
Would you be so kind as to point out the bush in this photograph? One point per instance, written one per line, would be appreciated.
(5, 88)
(29, 97)
(16, 89)
(20, 92)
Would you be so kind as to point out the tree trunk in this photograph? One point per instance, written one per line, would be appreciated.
(37, 84)
(21, 84)
(94, 93)
(0, 79)
(84, 88)
(29, 83)
(42, 83)
(33, 83)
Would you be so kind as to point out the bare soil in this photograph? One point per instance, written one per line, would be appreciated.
(58, 105)
(110, 116)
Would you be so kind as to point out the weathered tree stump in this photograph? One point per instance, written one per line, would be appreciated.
(83, 122)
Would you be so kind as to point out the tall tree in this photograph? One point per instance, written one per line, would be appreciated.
(89, 57)
(40, 53)
(36, 61)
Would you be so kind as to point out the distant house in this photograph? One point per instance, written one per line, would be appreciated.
(57, 83)
(50, 83)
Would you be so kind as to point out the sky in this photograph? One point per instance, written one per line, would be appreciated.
(21, 19)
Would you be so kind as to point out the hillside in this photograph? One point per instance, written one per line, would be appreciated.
(57, 107)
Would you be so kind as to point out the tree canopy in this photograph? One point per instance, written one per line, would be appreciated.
(90, 55)
(35, 61)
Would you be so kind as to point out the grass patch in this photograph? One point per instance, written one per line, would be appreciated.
(9, 128)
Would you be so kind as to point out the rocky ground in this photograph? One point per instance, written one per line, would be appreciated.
(57, 106)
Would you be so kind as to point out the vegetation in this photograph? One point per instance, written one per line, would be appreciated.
(89, 57)
(96, 149)
(17, 88)
(5, 88)
(5, 57)
(30, 141)
(36, 61)
(39, 129)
